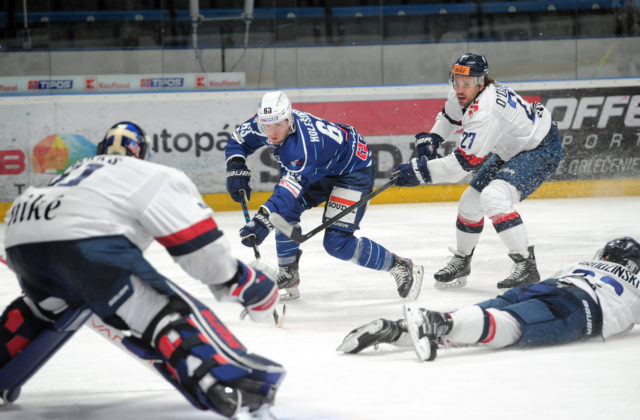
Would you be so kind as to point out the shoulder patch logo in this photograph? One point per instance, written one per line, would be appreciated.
(473, 107)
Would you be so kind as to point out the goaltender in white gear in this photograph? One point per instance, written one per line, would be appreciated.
(78, 243)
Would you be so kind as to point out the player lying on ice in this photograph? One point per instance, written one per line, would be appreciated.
(76, 247)
(592, 298)
(320, 161)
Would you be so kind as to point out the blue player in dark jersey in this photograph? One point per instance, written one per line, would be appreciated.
(320, 161)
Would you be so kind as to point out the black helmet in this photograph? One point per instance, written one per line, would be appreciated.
(469, 64)
(624, 251)
(125, 138)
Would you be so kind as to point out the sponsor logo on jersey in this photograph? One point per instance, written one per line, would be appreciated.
(474, 107)
(160, 82)
(49, 84)
(339, 203)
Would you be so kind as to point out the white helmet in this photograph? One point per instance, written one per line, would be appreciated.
(273, 108)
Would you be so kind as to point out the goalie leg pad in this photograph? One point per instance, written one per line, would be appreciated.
(18, 327)
(43, 344)
(203, 359)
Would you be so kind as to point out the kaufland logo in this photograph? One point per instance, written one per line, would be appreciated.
(90, 83)
(204, 82)
(159, 82)
(49, 84)
(201, 81)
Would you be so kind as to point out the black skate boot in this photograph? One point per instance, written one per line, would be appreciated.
(426, 329)
(454, 274)
(288, 279)
(524, 271)
(372, 334)
(408, 277)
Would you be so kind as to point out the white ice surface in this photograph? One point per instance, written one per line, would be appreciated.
(93, 379)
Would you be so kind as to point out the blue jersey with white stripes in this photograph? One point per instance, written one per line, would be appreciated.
(316, 149)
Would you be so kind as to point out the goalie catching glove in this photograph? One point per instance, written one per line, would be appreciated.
(253, 288)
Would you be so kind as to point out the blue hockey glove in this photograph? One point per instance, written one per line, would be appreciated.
(412, 173)
(427, 145)
(257, 229)
(238, 177)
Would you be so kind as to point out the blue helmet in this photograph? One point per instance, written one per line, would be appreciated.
(125, 138)
(624, 251)
(469, 64)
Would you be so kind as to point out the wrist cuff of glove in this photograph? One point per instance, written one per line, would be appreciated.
(263, 216)
(421, 170)
(236, 159)
(431, 138)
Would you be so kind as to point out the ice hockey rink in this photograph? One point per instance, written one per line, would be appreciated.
(90, 378)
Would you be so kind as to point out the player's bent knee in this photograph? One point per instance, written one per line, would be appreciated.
(499, 197)
(469, 205)
(340, 244)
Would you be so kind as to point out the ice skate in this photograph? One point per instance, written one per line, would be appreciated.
(524, 271)
(426, 329)
(372, 334)
(454, 274)
(408, 277)
(288, 279)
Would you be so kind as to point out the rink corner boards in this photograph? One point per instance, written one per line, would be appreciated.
(445, 192)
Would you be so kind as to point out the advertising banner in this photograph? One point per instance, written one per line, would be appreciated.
(600, 130)
(41, 136)
(109, 83)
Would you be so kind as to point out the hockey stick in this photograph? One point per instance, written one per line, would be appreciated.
(245, 210)
(286, 228)
(278, 318)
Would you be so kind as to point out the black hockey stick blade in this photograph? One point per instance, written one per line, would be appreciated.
(289, 230)
(247, 218)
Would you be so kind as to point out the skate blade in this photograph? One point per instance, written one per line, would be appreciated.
(278, 316)
(291, 293)
(425, 349)
(263, 413)
(360, 338)
(418, 274)
(458, 283)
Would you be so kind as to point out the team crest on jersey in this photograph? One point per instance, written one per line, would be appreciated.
(473, 107)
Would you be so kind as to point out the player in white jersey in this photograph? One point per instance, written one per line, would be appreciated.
(593, 298)
(513, 146)
(77, 246)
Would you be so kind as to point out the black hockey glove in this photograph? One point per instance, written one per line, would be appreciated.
(257, 229)
(427, 145)
(412, 173)
(238, 177)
